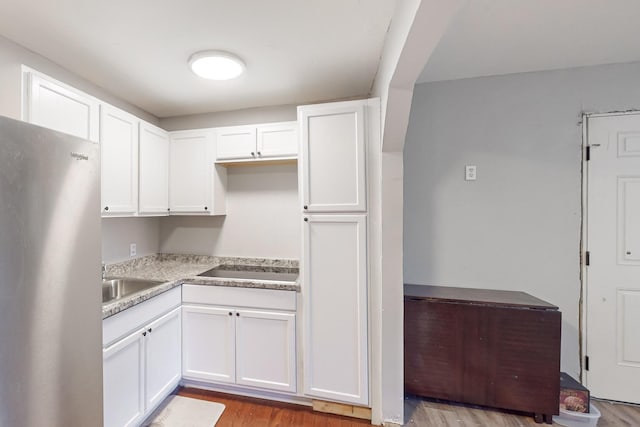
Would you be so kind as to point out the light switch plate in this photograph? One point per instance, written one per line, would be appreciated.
(470, 173)
(133, 250)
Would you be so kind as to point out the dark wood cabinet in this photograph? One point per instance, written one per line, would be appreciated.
(492, 348)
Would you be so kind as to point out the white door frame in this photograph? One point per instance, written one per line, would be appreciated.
(584, 236)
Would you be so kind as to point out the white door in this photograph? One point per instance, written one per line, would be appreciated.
(154, 170)
(163, 355)
(123, 381)
(335, 308)
(119, 150)
(266, 349)
(190, 172)
(278, 140)
(58, 107)
(235, 143)
(613, 241)
(208, 343)
(333, 157)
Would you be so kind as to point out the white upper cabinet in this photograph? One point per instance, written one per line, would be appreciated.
(333, 157)
(56, 106)
(257, 142)
(278, 140)
(235, 143)
(154, 171)
(196, 185)
(119, 150)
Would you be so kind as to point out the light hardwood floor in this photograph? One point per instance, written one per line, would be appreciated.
(419, 412)
(248, 412)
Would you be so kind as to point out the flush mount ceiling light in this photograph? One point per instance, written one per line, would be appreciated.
(216, 65)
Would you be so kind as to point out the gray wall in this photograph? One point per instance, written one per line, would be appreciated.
(278, 113)
(518, 226)
(263, 218)
(119, 233)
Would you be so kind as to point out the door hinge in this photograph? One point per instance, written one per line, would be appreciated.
(587, 258)
(586, 363)
(588, 153)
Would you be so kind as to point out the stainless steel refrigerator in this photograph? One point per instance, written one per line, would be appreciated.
(50, 300)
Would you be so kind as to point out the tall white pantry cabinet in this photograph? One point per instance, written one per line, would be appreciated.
(335, 265)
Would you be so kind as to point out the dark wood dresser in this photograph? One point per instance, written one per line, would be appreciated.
(483, 347)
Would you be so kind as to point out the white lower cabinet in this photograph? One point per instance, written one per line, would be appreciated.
(335, 306)
(208, 339)
(265, 349)
(123, 379)
(141, 369)
(250, 347)
(163, 358)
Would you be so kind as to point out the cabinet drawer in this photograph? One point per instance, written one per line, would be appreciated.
(239, 297)
(127, 321)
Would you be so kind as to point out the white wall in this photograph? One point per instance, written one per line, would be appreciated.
(518, 226)
(12, 56)
(119, 233)
(263, 218)
(415, 30)
(278, 113)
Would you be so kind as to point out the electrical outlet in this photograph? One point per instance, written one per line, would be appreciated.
(470, 173)
(133, 250)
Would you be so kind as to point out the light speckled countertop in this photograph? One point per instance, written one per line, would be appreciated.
(174, 270)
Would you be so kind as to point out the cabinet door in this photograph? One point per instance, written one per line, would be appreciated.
(190, 172)
(154, 170)
(333, 157)
(335, 307)
(59, 107)
(208, 343)
(163, 355)
(123, 381)
(235, 143)
(278, 140)
(265, 350)
(119, 150)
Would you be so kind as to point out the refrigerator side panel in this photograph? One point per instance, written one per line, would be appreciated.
(50, 302)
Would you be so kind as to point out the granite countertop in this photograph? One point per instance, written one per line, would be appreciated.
(174, 270)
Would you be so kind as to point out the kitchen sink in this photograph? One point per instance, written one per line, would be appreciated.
(115, 288)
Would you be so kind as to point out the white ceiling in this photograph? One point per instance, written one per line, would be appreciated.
(296, 51)
(492, 37)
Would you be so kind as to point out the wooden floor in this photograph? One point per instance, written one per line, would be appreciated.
(422, 412)
(244, 412)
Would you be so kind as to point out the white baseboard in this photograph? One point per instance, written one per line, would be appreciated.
(248, 392)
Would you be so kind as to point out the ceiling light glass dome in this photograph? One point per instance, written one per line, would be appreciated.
(216, 65)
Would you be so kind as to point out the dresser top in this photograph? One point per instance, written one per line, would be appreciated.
(476, 296)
